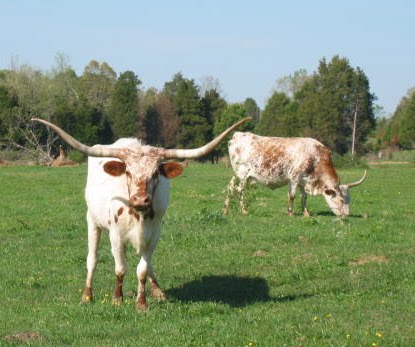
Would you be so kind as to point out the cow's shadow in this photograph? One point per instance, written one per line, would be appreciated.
(331, 214)
(232, 290)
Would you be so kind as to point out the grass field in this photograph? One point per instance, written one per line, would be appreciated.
(264, 279)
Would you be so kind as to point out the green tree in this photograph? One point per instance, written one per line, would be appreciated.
(97, 84)
(230, 115)
(278, 117)
(402, 124)
(330, 100)
(252, 109)
(8, 106)
(123, 113)
(292, 84)
(195, 128)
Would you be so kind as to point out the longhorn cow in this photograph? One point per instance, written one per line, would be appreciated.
(127, 193)
(278, 161)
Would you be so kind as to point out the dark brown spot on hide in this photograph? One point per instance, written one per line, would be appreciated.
(309, 166)
(120, 211)
(324, 169)
(115, 219)
(118, 286)
(134, 213)
(272, 157)
(114, 168)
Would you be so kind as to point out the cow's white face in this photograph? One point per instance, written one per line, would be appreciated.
(142, 169)
(338, 199)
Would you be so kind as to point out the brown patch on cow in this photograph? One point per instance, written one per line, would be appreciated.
(24, 337)
(120, 211)
(134, 213)
(115, 219)
(366, 259)
(118, 287)
(272, 157)
(309, 166)
(142, 188)
(114, 168)
(326, 166)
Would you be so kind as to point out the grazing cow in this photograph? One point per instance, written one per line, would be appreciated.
(277, 161)
(127, 193)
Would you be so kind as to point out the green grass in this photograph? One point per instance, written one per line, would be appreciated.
(264, 279)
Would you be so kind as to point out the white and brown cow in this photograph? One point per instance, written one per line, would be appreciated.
(127, 193)
(278, 161)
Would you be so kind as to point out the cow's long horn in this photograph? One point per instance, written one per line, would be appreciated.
(357, 183)
(96, 151)
(201, 151)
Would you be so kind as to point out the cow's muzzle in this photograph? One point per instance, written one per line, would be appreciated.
(140, 203)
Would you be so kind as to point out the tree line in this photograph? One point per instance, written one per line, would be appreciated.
(334, 105)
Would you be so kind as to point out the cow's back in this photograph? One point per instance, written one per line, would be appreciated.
(273, 161)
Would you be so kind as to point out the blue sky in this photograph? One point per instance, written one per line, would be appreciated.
(246, 45)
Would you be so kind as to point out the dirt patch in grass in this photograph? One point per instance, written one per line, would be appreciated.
(366, 259)
(260, 253)
(25, 337)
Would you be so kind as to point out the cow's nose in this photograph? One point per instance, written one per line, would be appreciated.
(139, 202)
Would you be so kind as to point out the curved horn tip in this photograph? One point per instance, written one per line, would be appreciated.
(359, 182)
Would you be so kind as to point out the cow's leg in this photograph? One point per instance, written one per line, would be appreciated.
(232, 187)
(156, 291)
(142, 271)
(94, 235)
(292, 187)
(242, 196)
(304, 202)
(118, 252)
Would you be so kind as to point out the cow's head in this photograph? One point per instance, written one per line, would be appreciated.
(141, 165)
(338, 197)
(142, 169)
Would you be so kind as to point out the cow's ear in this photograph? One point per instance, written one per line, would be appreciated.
(330, 192)
(171, 169)
(114, 168)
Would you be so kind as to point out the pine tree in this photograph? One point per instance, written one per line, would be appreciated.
(123, 112)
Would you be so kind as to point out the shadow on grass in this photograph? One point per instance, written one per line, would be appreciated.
(331, 214)
(231, 290)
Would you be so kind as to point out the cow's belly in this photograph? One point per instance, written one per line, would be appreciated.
(270, 182)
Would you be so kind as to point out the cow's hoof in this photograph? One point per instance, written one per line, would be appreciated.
(86, 299)
(158, 294)
(87, 296)
(141, 307)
